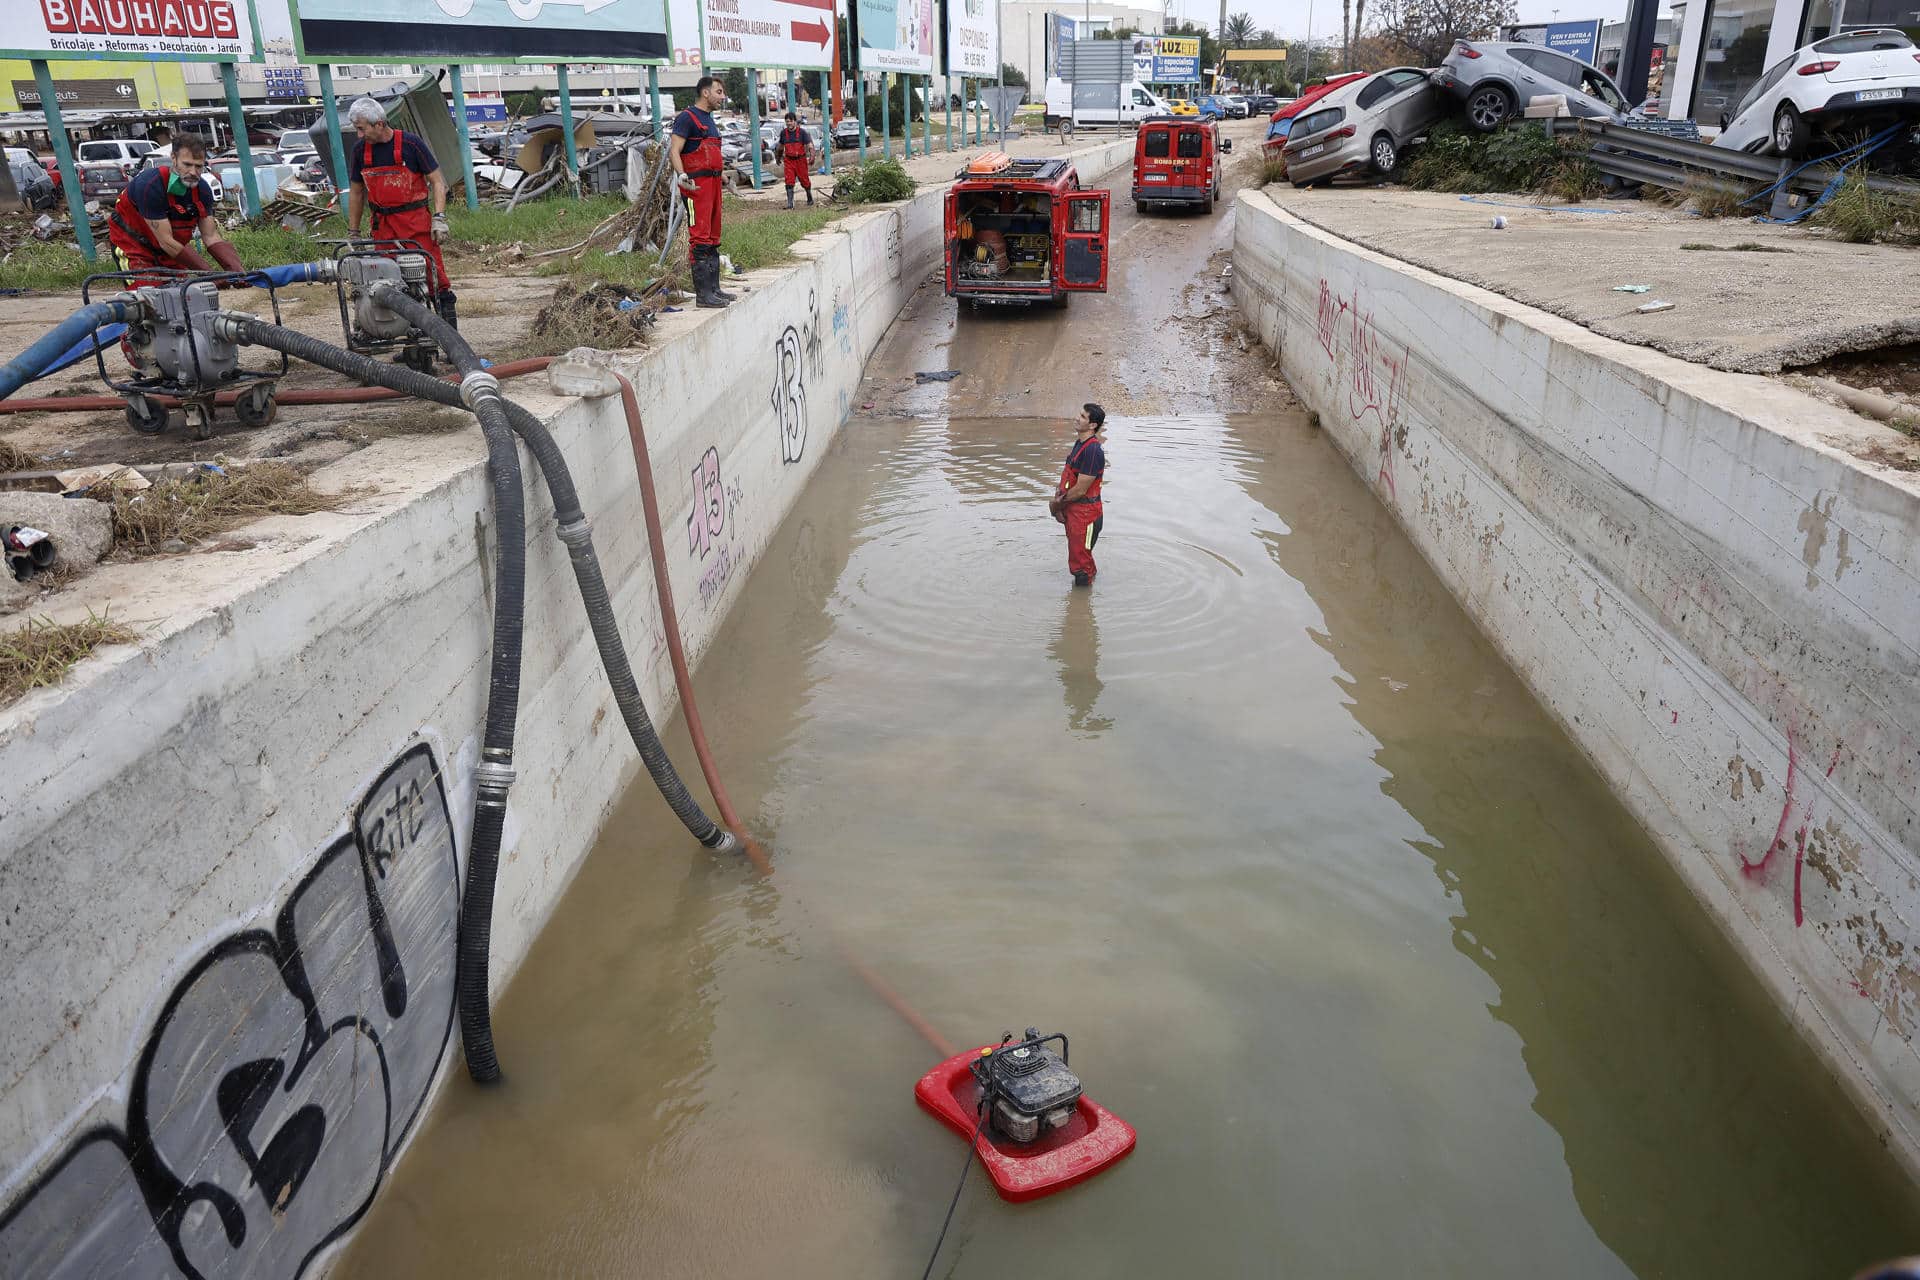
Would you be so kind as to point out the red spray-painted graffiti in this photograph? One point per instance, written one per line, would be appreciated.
(1376, 373)
(1757, 871)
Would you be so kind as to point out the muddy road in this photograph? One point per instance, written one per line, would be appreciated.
(1164, 339)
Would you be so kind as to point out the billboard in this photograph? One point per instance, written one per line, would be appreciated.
(897, 35)
(1176, 60)
(767, 33)
(973, 38)
(1575, 39)
(1059, 40)
(480, 30)
(132, 30)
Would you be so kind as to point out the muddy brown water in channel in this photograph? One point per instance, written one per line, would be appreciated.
(1332, 911)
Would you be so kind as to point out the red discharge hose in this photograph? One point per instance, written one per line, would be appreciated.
(683, 679)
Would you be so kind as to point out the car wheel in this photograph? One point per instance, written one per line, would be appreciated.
(1789, 132)
(1384, 156)
(1488, 107)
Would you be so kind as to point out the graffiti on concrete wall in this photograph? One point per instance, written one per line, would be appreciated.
(790, 394)
(281, 1074)
(713, 527)
(1376, 372)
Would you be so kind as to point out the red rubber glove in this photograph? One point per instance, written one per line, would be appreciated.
(227, 256)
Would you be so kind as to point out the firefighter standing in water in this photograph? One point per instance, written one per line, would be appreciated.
(154, 220)
(694, 149)
(395, 175)
(1076, 501)
(796, 158)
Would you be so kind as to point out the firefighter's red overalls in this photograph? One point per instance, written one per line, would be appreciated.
(793, 157)
(397, 198)
(133, 242)
(1081, 515)
(700, 153)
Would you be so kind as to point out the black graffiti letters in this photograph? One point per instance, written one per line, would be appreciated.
(282, 1073)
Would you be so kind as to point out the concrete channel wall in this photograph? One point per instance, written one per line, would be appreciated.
(1693, 569)
(232, 855)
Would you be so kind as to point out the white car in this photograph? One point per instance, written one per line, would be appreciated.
(1860, 79)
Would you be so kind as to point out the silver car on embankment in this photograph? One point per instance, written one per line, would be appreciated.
(1363, 126)
(1496, 81)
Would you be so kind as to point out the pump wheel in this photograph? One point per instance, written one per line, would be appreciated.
(256, 406)
(146, 417)
(418, 359)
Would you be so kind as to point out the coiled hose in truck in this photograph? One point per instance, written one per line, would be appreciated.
(483, 862)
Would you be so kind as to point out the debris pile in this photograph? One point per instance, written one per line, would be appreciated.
(604, 316)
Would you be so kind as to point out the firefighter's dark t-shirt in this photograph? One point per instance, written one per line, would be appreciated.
(1091, 460)
(413, 154)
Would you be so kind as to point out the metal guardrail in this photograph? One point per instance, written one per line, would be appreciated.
(1644, 155)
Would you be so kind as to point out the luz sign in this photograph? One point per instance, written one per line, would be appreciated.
(131, 30)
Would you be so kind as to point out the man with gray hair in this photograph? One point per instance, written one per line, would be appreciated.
(395, 175)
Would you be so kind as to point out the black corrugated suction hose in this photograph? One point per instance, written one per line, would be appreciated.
(483, 860)
(495, 774)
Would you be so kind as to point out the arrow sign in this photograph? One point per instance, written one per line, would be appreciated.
(812, 32)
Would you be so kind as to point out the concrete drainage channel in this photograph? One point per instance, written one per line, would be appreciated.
(1714, 597)
(264, 806)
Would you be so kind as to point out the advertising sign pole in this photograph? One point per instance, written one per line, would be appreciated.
(950, 111)
(886, 116)
(929, 117)
(753, 122)
(906, 103)
(860, 109)
(653, 93)
(249, 184)
(1000, 63)
(466, 142)
(566, 127)
(63, 157)
(793, 101)
(332, 102)
(826, 126)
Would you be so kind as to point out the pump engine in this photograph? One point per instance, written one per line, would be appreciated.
(369, 327)
(1027, 1086)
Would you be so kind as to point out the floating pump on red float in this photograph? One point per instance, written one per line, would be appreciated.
(1033, 1126)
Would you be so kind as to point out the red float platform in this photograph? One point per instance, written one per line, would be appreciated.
(1094, 1139)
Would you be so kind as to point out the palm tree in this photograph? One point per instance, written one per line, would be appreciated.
(1239, 30)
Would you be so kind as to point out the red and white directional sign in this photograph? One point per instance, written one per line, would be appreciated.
(772, 34)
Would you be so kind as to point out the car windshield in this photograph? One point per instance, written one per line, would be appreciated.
(1864, 42)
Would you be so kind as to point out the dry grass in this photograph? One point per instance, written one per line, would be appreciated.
(177, 513)
(1745, 246)
(1712, 201)
(1858, 214)
(416, 420)
(14, 458)
(41, 653)
(1272, 169)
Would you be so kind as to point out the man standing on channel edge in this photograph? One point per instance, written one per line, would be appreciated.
(1076, 501)
(694, 148)
(394, 176)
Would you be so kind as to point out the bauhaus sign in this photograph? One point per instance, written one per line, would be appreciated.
(132, 30)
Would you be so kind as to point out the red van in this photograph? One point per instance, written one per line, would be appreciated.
(1022, 231)
(1176, 160)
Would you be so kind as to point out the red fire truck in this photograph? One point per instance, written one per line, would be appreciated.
(1176, 160)
(1022, 231)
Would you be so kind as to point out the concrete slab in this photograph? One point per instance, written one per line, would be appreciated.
(1741, 310)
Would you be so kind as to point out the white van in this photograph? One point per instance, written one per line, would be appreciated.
(1092, 104)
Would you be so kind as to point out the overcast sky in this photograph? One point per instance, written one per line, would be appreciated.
(1286, 17)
